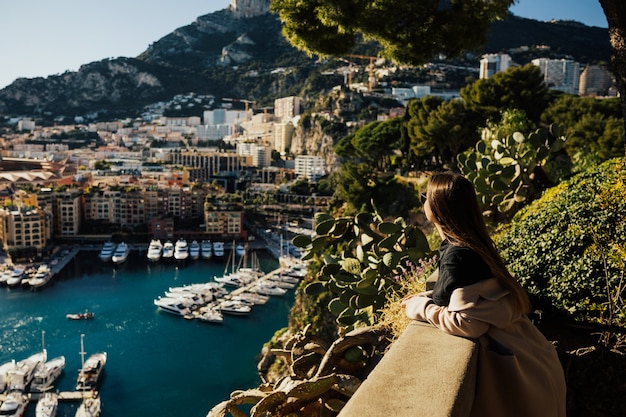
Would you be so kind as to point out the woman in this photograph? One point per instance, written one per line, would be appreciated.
(519, 373)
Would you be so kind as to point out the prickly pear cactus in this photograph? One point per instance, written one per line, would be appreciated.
(320, 388)
(508, 171)
(373, 253)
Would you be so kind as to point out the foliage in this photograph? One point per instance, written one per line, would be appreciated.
(516, 88)
(507, 170)
(373, 144)
(361, 187)
(594, 128)
(569, 247)
(409, 32)
(438, 130)
(412, 282)
(373, 254)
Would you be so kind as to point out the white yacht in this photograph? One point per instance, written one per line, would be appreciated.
(194, 250)
(16, 277)
(121, 253)
(181, 250)
(266, 288)
(106, 253)
(47, 405)
(14, 405)
(5, 368)
(233, 307)
(240, 249)
(209, 314)
(168, 251)
(206, 249)
(251, 297)
(22, 374)
(218, 249)
(4, 276)
(90, 372)
(155, 248)
(231, 280)
(209, 290)
(41, 277)
(175, 305)
(46, 374)
(89, 407)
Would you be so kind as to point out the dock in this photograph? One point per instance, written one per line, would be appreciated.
(63, 395)
(63, 261)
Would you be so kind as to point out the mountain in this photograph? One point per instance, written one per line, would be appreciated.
(241, 53)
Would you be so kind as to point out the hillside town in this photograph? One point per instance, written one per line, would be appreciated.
(161, 174)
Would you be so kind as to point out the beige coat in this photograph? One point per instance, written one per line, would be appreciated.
(519, 373)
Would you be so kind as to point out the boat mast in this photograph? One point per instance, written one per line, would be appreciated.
(82, 359)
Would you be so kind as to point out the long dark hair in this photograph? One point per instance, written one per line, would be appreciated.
(454, 206)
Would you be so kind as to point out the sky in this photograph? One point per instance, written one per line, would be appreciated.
(39, 38)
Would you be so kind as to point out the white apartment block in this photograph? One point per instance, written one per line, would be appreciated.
(311, 167)
(286, 108)
(261, 154)
(560, 74)
(224, 116)
(205, 165)
(220, 123)
(214, 132)
(491, 64)
(283, 132)
(181, 121)
(404, 95)
(23, 125)
(595, 80)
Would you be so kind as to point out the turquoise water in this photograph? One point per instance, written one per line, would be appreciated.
(159, 364)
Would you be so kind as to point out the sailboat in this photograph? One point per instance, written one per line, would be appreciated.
(90, 371)
(231, 278)
(91, 368)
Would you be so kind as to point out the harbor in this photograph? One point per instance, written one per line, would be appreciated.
(159, 364)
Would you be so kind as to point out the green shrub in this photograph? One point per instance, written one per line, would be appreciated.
(569, 247)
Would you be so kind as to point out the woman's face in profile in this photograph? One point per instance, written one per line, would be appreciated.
(428, 212)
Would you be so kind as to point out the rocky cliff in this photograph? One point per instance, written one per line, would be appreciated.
(231, 52)
(249, 8)
(239, 52)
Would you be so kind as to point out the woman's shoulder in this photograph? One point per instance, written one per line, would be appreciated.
(468, 296)
(451, 253)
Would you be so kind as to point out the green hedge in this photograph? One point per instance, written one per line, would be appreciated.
(566, 246)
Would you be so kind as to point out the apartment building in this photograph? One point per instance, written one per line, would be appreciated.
(283, 132)
(24, 227)
(491, 64)
(595, 80)
(261, 155)
(311, 167)
(286, 108)
(67, 213)
(203, 166)
(224, 219)
(560, 74)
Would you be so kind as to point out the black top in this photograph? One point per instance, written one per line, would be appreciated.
(458, 267)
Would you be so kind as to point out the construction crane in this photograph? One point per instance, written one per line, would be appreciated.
(239, 100)
(371, 79)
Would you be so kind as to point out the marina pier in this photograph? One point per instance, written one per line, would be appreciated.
(63, 395)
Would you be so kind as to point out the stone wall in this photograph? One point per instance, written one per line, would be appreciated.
(426, 372)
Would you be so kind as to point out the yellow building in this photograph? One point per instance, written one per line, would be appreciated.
(24, 227)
